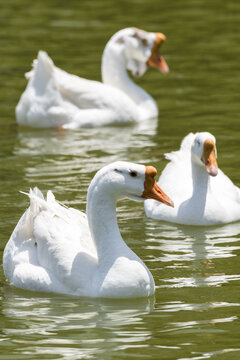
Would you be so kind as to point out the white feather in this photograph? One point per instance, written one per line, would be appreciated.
(55, 98)
(59, 249)
(206, 201)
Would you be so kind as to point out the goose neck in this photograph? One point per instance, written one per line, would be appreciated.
(114, 73)
(102, 219)
(201, 180)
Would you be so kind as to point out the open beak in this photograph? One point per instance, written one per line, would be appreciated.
(151, 188)
(156, 59)
(209, 157)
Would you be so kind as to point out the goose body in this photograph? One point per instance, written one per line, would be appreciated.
(202, 193)
(62, 250)
(55, 98)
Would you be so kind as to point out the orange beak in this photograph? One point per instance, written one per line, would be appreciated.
(209, 157)
(151, 188)
(156, 59)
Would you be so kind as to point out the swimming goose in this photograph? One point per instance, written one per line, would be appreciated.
(55, 98)
(58, 249)
(202, 193)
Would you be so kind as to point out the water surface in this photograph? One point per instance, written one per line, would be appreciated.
(195, 311)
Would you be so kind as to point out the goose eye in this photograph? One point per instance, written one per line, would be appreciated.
(198, 142)
(132, 173)
(144, 42)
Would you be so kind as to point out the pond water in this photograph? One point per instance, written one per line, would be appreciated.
(195, 311)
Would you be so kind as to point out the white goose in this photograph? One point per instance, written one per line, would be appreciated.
(59, 249)
(202, 193)
(54, 98)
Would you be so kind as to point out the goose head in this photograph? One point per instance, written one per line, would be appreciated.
(124, 179)
(140, 50)
(204, 152)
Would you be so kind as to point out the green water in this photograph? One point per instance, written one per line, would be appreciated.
(196, 308)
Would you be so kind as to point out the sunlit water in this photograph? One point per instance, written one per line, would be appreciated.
(195, 311)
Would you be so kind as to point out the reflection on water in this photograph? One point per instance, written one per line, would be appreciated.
(66, 161)
(112, 140)
(43, 322)
(191, 265)
(195, 249)
(53, 327)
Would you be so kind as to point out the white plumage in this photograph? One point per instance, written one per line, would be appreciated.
(59, 249)
(202, 193)
(54, 98)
